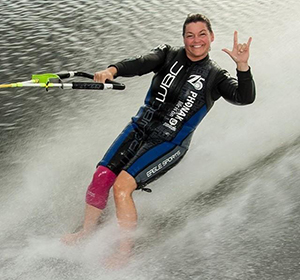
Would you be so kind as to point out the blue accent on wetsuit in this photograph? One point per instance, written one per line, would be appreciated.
(150, 156)
(190, 125)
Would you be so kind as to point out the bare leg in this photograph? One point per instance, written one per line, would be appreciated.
(125, 207)
(126, 215)
(91, 218)
(96, 199)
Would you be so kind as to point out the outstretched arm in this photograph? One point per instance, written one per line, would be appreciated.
(240, 53)
(138, 65)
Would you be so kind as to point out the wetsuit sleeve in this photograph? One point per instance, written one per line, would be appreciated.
(240, 91)
(141, 65)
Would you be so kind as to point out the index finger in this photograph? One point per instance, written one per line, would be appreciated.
(235, 39)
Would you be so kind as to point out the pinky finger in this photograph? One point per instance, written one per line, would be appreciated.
(249, 41)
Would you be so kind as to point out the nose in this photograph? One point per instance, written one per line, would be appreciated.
(197, 38)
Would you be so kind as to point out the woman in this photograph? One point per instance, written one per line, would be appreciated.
(183, 90)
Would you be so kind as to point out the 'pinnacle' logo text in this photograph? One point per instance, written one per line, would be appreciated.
(181, 110)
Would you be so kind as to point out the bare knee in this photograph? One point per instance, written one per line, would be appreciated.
(124, 185)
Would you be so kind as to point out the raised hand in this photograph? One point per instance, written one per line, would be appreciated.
(240, 53)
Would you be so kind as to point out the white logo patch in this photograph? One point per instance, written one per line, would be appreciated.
(196, 81)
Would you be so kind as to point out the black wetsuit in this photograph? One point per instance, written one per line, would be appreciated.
(180, 95)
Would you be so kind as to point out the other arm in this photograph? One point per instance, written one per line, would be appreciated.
(134, 66)
(242, 90)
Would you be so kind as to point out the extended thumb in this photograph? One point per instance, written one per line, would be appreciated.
(226, 50)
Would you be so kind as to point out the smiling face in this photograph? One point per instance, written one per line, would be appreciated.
(197, 40)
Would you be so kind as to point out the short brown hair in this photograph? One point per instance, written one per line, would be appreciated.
(195, 18)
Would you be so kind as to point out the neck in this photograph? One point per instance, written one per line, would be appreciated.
(193, 59)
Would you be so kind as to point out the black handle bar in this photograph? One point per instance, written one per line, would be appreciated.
(82, 85)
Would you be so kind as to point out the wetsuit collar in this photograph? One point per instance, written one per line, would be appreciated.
(201, 61)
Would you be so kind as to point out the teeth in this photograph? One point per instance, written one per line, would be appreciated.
(197, 46)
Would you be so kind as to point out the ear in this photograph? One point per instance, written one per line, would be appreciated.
(212, 36)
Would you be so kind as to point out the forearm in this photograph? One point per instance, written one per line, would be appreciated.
(131, 67)
(246, 87)
(137, 66)
(141, 65)
(240, 91)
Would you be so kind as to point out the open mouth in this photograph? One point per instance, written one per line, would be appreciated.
(197, 46)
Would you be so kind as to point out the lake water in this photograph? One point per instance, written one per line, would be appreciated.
(230, 210)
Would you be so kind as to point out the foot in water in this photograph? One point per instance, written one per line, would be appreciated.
(74, 238)
(121, 257)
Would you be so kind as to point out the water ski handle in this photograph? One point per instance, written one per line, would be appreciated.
(82, 85)
(70, 74)
(98, 86)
